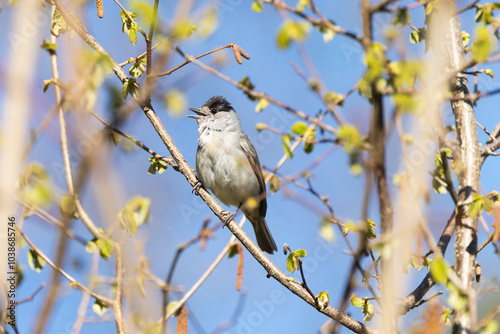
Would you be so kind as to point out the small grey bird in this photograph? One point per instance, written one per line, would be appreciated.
(227, 164)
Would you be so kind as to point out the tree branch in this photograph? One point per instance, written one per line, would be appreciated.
(446, 41)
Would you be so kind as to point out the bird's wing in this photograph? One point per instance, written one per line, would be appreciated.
(251, 154)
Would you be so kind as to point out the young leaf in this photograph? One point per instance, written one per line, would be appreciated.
(35, 261)
(257, 6)
(292, 261)
(351, 139)
(175, 101)
(292, 31)
(299, 128)
(287, 145)
(275, 184)
(323, 299)
(99, 307)
(261, 105)
(326, 231)
(334, 98)
(68, 204)
(418, 35)
(438, 271)
(482, 45)
(157, 165)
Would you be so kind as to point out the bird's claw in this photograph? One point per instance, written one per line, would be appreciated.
(227, 216)
(196, 186)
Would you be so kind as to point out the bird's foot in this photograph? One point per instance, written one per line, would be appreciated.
(227, 216)
(197, 186)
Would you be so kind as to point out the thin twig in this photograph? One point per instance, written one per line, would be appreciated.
(73, 282)
(137, 142)
(33, 295)
(230, 45)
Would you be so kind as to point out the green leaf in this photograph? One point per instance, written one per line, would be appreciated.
(479, 13)
(135, 213)
(292, 31)
(418, 35)
(376, 62)
(478, 204)
(47, 84)
(326, 231)
(99, 307)
(328, 35)
(366, 307)
(105, 247)
(368, 311)
(402, 17)
(129, 86)
(132, 34)
(334, 98)
(47, 45)
(350, 137)
(261, 105)
(138, 68)
(171, 306)
(489, 72)
(370, 232)
(157, 165)
(457, 300)
(129, 27)
(183, 29)
(68, 204)
(482, 45)
(257, 6)
(175, 102)
(293, 261)
(115, 137)
(308, 140)
(299, 128)
(275, 184)
(357, 302)
(37, 194)
(35, 261)
(323, 300)
(404, 103)
(438, 271)
(287, 145)
(465, 38)
(208, 22)
(302, 4)
(490, 328)
(58, 25)
(232, 251)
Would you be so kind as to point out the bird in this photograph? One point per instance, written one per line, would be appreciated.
(228, 165)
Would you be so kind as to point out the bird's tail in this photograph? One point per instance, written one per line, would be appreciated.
(264, 238)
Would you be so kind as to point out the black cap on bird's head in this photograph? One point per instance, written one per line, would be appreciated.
(213, 106)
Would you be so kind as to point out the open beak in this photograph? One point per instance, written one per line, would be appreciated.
(198, 112)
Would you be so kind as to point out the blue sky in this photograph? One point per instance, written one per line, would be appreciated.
(268, 307)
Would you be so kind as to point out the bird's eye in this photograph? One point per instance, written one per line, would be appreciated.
(213, 111)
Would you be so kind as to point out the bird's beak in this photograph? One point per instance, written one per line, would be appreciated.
(197, 111)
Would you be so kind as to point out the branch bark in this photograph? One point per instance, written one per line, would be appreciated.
(377, 141)
(448, 48)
